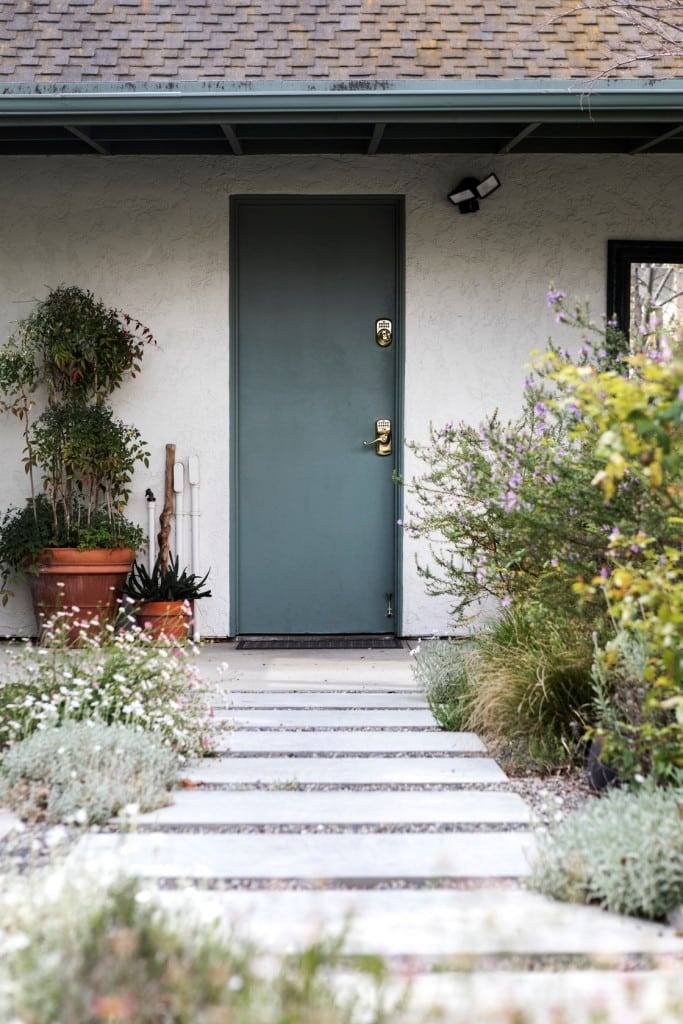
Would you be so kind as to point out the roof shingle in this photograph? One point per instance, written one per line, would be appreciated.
(132, 40)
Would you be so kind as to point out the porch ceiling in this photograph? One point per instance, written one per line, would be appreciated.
(520, 116)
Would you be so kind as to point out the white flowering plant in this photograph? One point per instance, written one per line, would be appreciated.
(113, 676)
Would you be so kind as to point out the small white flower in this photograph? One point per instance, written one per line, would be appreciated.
(129, 811)
(55, 836)
(236, 983)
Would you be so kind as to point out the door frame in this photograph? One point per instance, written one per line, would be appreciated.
(396, 201)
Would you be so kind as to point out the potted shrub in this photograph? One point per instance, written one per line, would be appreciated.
(164, 599)
(71, 538)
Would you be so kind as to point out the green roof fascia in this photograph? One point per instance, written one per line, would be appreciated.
(467, 100)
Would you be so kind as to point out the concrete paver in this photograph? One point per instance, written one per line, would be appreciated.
(347, 770)
(307, 857)
(265, 807)
(387, 741)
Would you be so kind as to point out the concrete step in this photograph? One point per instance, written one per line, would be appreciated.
(321, 700)
(432, 924)
(347, 770)
(534, 997)
(305, 857)
(364, 856)
(305, 719)
(216, 807)
(389, 741)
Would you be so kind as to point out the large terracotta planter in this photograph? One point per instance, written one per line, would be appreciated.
(170, 619)
(88, 580)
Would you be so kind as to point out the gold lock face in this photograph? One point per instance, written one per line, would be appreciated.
(383, 333)
(383, 430)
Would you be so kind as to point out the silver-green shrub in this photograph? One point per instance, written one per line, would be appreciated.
(623, 852)
(86, 772)
(440, 667)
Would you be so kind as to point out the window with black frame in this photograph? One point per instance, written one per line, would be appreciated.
(645, 286)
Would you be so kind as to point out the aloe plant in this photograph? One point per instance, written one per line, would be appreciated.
(164, 584)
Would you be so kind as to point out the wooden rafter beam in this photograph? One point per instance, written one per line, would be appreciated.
(231, 136)
(96, 146)
(377, 133)
(519, 137)
(660, 138)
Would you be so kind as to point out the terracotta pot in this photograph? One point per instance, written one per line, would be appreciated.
(171, 619)
(89, 580)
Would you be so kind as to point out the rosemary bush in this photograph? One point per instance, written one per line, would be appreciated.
(113, 677)
(85, 773)
(623, 851)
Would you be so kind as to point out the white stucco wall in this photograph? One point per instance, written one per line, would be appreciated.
(150, 235)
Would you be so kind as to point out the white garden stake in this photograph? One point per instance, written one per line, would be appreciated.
(178, 488)
(193, 478)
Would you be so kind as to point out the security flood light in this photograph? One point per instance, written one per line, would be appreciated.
(467, 194)
(487, 186)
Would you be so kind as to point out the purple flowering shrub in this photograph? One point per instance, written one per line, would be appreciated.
(511, 509)
(517, 512)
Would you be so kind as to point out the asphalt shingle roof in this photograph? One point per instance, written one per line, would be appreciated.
(138, 40)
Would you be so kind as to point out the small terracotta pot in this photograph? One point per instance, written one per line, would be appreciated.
(170, 619)
(88, 580)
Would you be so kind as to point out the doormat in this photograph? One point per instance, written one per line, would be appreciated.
(320, 643)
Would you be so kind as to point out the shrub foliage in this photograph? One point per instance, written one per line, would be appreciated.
(86, 773)
(624, 852)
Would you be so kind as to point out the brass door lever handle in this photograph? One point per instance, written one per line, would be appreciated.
(383, 438)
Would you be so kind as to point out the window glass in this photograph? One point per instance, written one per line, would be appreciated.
(656, 297)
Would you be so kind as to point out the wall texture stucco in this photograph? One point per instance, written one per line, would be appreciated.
(150, 235)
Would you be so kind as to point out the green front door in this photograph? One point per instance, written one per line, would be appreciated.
(315, 509)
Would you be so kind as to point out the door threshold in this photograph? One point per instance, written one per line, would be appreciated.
(355, 642)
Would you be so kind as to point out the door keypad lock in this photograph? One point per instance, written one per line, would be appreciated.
(383, 333)
(382, 440)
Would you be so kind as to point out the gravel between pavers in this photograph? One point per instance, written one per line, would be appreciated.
(297, 755)
(552, 797)
(227, 726)
(316, 884)
(35, 847)
(327, 829)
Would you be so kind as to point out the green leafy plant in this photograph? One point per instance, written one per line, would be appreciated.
(78, 346)
(112, 676)
(440, 667)
(85, 773)
(75, 351)
(623, 851)
(639, 420)
(89, 953)
(26, 532)
(164, 583)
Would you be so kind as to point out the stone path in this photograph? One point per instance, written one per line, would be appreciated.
(342, 797)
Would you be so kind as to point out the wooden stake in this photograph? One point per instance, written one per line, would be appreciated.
(165, 517)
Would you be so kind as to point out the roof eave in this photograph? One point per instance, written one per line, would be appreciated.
(508, 99)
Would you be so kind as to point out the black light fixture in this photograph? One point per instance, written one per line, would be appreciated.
(467, 194)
